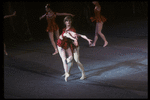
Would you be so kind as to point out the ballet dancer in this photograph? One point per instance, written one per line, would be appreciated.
(100, 19)
(72, 48)
(7, 16)
(52, 26)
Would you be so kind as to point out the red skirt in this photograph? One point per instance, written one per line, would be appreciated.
(66, 43)
(102, 18)
(52, 28)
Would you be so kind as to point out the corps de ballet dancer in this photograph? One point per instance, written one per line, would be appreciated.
(100, 19)
(52, 26)
(67, 42)
(7, 16)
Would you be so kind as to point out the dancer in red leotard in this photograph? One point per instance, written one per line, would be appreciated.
(65, 45)
(100, 19)
(52, 26)
(67, 42)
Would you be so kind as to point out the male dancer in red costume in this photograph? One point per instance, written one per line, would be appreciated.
(52, 26)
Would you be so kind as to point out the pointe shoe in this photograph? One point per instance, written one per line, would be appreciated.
(66, 76)
(106, 43)
(83, 76)
(55, 52)
(63, 75)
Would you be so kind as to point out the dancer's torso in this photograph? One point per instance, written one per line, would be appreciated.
(52, 26)
(66, 42)
(51, 18)
(98, 16)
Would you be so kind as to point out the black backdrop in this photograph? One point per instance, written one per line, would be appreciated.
(28, 13)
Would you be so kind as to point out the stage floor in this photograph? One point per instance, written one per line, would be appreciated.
(119, 70)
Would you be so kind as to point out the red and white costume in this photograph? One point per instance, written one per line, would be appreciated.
(65, 43)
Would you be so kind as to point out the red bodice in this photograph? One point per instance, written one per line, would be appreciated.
(98, 17)
(52, 26)
(66, 42)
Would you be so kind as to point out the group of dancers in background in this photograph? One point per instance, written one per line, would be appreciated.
(67, 42)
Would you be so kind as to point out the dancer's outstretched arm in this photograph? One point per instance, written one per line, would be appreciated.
(85, 37)
(7, 16)
(64, 14)
(80, 35)
(72, 35)
(42, 16)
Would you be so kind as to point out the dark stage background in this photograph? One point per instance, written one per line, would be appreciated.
(116, 71)
(26, 26)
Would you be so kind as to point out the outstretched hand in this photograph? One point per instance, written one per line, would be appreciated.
(14, 14)
(90, 41)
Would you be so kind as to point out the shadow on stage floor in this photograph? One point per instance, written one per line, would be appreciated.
(116, 71)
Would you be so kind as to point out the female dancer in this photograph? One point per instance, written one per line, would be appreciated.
(52, 26)
(65, 44)
(100, 19)
(7, 16)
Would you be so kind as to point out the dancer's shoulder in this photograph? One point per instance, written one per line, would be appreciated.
(71, 29)
(64, 29)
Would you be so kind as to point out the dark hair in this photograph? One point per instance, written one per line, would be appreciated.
(67, 18)
(47, 6)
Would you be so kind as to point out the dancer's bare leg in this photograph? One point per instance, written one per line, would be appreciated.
(80, 66)
(100, 26)
(5, 50)
(51, 36)
(96, 36)
(70, 64)
(69, 60)
(57, 34)
(64, 60)
(98, 30)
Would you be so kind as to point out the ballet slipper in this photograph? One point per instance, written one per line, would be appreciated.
(66, 76)
(83, 76)
(106, 43)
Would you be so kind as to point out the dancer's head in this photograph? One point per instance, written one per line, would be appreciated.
(68, 21)
(95, 3)
(47, 7)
